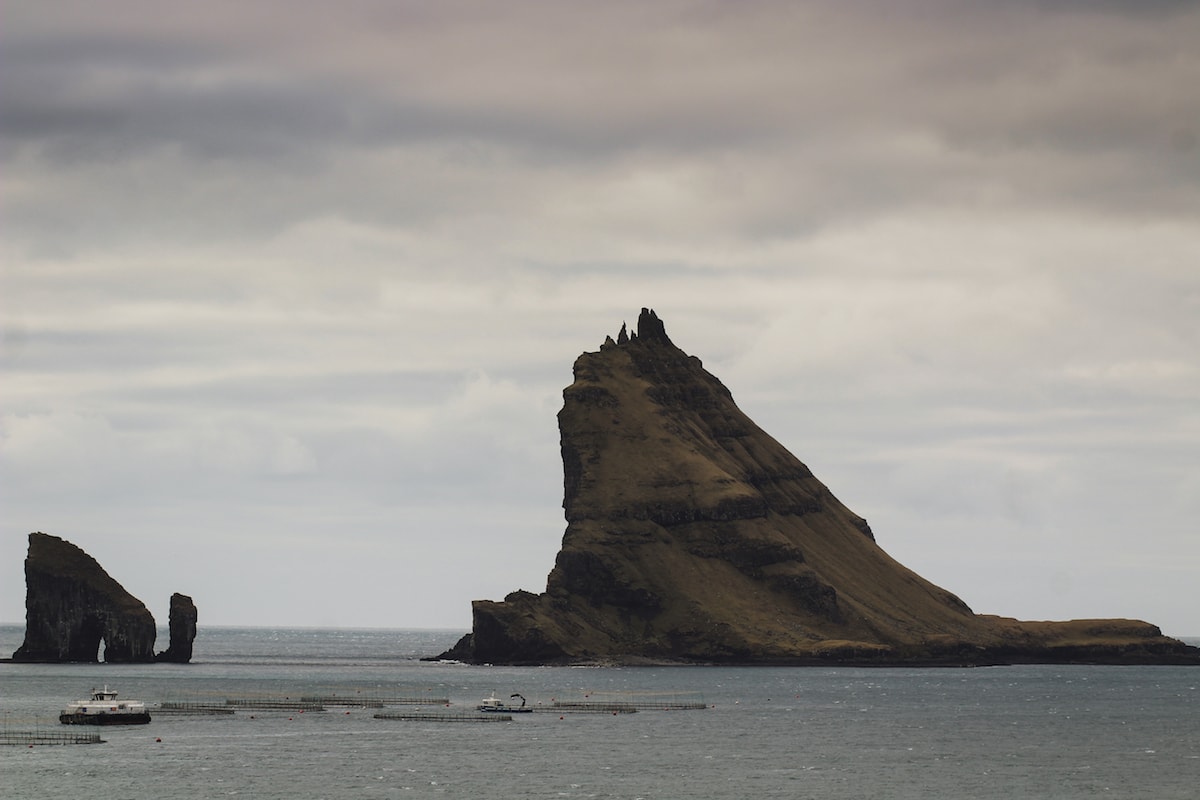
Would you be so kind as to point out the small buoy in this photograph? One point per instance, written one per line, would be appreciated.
(157, 739)
(289, 719)
(560, 717)
(347, 713)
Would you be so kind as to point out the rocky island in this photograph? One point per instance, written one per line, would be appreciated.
(694, 537)
(72, 605)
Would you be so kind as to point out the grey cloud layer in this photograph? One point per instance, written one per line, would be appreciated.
(299, 267)
(832, 111)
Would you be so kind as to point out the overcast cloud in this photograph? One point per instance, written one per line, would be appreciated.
(291, 290)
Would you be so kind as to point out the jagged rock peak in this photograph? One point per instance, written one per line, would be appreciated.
(623, 336)
(649, 329)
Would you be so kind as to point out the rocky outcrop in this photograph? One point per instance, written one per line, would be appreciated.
(72, 606)
(693, 536)
(182, 627)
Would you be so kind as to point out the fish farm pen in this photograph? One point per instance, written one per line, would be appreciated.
(444, 716)
(307, 698)
(200, 709)
(373, 696)
(268, 704)
(625, 703)
(10, 735)
(584, 707)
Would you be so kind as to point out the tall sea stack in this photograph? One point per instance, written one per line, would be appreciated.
(182, 627)
(693, 536)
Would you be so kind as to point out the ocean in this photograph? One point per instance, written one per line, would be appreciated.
(763, 732)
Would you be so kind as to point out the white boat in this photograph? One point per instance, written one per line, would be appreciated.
(103, 708)
(494, 705)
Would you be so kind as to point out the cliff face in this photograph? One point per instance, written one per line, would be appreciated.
(72, 604)
(692, 535)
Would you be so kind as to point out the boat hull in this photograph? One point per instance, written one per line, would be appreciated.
(104, 719)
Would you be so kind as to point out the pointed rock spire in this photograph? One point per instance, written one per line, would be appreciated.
(651, 328)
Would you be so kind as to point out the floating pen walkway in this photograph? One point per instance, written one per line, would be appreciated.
(199, 709)
(269, 704)
(627, 703)
(444, 716)
(373, 700)
(36, 730)
(311, 698)
(583, 707)
(30, 738)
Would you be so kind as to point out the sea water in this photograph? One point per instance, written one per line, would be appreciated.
(764, 732)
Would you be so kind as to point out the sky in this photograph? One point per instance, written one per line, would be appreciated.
(290, 290)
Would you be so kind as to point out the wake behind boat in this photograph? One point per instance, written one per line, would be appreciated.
(103, 708)
(494, 705)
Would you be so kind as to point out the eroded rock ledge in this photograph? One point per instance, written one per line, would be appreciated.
(72, 606)
(693, 536)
